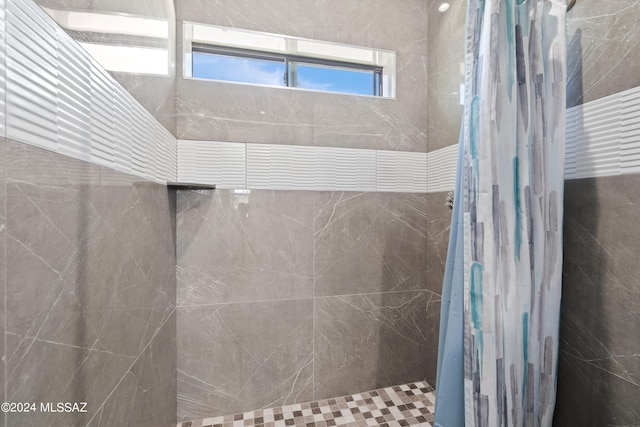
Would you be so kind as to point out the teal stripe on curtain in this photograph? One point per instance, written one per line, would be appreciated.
(512, 174)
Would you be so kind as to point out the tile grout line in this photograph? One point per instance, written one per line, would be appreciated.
(306, 298)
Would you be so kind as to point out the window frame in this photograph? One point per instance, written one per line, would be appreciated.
(288, 50)
(287, 59)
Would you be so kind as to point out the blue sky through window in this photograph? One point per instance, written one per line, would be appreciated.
(259, 71)
(234, 69)
(333, 79)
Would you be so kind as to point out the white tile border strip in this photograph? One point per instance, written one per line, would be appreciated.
(603, 137)
(399, 171)
(441, 169)
(296, 167)
(210, 162)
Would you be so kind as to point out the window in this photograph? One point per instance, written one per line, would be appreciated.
(335, 77)
(236, 66)
(244, 66)
(249, 57)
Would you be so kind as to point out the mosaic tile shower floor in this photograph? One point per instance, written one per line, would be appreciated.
(404, 405)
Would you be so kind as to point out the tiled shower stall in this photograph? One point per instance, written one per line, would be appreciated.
(156, 305)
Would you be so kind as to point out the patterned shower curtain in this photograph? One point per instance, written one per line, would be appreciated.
(504, 309)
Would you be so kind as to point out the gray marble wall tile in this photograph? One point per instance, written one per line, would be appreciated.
(237, 249)
(141, 216)
(208, 110)
(369, 242)
(230, 112)
(294, 18)
(148, 389)
(238, 357)
(446, 57)
(90, 278)
(43, 371)
(432, 335)
(603, 50)
(438, 229)
(384, 124)
(363, 342)
(398, 25)
(600, 345)
(151, 8)
(590, 396)
(244, 246)
(393, 25)
(112, 245)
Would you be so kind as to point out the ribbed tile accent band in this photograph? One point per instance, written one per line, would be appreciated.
(603, 136)
(295, 167)
(219, 163)
(60, 99)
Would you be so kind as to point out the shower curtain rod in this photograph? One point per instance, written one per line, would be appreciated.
(571, 4)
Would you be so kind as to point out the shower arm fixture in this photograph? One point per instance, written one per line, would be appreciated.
(571, 4)
(449, 202)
